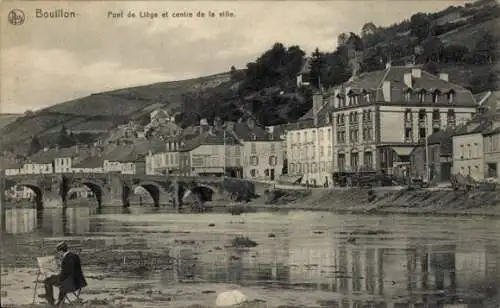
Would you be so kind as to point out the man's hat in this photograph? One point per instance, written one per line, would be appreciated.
(61, 246)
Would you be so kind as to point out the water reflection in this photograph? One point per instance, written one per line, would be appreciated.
(395, 262)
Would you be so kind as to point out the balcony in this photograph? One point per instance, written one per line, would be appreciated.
(409, 140)
(436, 123)
(421, 123)
(408, 123)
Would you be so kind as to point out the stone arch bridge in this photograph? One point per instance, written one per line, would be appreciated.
(115, 189)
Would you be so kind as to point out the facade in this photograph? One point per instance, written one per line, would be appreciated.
(303, 77)
(379, 117)
(439, 147)
(208, 154)
(163, 161)
(492, 153)
(261, 151)
(475, 147)
(310, 145)
(468, 159)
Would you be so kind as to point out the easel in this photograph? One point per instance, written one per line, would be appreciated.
(41, 271)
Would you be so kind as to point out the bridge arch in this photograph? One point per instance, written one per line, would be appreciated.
(96, 189)
(38, 193)
(154, 190)
(205, 191)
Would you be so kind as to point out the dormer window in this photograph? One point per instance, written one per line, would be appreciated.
(367, 97)
(327, 119)
(451, 96)
(408, 95)
(435, 96)
(253, 137)
(421, 96)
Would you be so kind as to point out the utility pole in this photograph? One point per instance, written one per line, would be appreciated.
(224, 168)
(427, 169)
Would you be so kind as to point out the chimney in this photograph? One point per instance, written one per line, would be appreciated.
(416, 72)
(443, 76)
(386, 90)
(251, 122)
(408, 80)
(317, 104)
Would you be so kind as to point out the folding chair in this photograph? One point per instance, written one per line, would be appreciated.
(70, 297)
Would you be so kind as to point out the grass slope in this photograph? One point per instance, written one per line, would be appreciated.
(103, 110)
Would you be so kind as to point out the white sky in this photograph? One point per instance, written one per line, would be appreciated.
(47, 61)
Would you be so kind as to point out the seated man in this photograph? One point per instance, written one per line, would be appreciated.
(69, 279)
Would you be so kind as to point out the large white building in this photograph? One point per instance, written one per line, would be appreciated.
(375, 119)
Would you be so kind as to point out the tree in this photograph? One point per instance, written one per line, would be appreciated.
(420, 26)
(317, 67)
(35, 145)
(64, 139)
(454, 53)
(485, 49)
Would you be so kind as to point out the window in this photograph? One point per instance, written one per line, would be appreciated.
(367, 97)
(421, 96)
(253, 173)
(273, 148)
(253, 148)
(408, 96)
(254, 160)
(435, 96)
(492, 171)
(368, 160)
(451, 96)
(273, 160)
(354, 161)
(321, 151)
(408, 135)
(329, 134)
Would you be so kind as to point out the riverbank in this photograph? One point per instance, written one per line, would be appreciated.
(383, 200)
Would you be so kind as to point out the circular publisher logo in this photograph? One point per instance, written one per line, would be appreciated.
(16, 17)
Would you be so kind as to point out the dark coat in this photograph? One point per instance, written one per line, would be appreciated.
(71, 275)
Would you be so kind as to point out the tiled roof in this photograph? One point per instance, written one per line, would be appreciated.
(395, 74)
(9, 163)
(252, 133)
(215, 137)
(302, 124)
(90, 162)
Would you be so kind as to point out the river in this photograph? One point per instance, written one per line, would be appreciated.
(312, 259)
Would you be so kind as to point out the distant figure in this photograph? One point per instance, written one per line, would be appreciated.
(69, 279)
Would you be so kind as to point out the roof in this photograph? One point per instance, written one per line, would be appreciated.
(134, 152)
(246, 132)
(373, 81)
(47, 156)
(488, 100)
(210, 138)
(10, 163)
(90, 162)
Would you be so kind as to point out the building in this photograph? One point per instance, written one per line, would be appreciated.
(380, 116)
(303, 77)
(468, 149)
(163, 157)
(439, 147)
(213, 152)
(310, 145)
(281, 131)
(491, 153)
(93, 164)
(261, 151)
